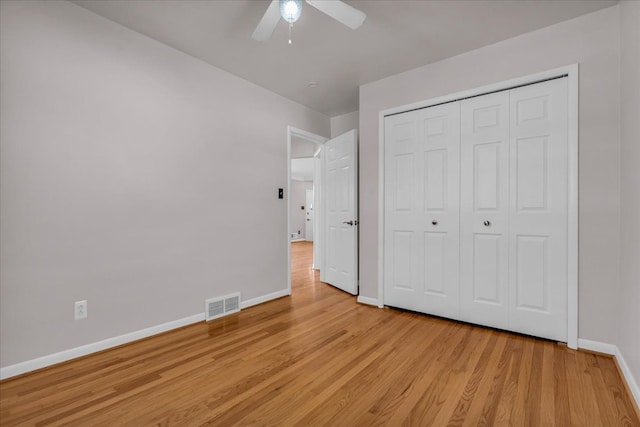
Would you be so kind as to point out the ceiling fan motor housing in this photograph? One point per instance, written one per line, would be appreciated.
(290, 10)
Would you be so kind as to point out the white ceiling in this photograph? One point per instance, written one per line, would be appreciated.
(398, 35)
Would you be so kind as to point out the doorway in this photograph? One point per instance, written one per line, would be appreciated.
(304, 153)
(335, 189)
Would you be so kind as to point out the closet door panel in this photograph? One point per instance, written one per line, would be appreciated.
(435, 252)
(439, 146)
(487, 254)
(401, 259)
(538, 209)
(435, 188)
(421, 210)
(484, 195)
(403, 189)
(486, 167)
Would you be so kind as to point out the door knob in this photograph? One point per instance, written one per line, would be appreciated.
(434, 222)
(348, 222)
(487, 223)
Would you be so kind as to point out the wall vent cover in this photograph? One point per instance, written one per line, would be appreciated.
(221, 306)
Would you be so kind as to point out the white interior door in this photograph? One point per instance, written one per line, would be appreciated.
(308, 216)
(341, 212)
(538, 210)
(484, 210)
(422, 210)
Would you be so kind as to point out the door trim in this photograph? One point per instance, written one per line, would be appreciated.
(571, 71)
(307, 136)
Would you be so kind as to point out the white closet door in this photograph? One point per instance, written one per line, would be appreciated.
(484, 210)
(422, 210)
(476, 210)
(538, 210)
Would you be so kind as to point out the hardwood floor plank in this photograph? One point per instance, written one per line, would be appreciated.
(347, 406)
(625, 414)
(330, 386)
(547, 406)
(484, 375)
(561, 388)
(317, 357)
(508, 395)
(489, 411)
(588, 394)
(432, 368)
(435, 395)
(532, 409)
(461, 370)
(471, 386)
(576, 405)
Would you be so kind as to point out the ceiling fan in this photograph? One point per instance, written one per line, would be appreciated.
(290, 11)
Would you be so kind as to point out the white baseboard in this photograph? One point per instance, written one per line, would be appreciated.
(367, 300)
(73, 353)
(626, 371)
(298, 240)
(83, 350)
(264, 298)
(600, 347)
(614, 351)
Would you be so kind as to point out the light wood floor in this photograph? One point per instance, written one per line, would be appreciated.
(319, 358)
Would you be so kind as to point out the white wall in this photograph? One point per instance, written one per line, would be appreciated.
(593, 41)
(299, 198)
(629, 339)
(132, 175)
(344, 123)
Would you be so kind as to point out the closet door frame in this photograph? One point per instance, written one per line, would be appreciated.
(571, 73)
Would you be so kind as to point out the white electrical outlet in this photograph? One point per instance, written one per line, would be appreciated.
(80, 310)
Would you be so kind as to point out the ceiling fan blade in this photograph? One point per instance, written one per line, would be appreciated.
(268, 22)
(340, 11)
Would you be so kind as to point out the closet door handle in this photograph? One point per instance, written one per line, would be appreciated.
(487, 223)
(434, 222)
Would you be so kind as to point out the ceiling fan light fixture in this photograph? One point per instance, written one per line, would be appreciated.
(290, 10)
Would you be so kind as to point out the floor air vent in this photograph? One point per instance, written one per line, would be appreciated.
(221, 306)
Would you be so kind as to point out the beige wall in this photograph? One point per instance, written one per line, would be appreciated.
(344, 123)
(629, 339)
(133, 176)
(593, 41)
